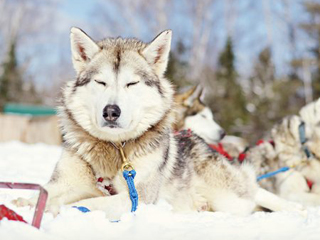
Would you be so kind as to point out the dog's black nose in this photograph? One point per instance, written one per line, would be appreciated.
(111, 112)
(222, 134)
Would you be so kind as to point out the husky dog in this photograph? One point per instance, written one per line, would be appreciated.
(288, 151)
(121, 96)
(191, 113)
(310, 114)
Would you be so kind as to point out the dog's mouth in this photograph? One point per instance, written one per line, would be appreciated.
(222, 135)
(110, 125)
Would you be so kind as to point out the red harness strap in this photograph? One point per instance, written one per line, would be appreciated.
(310, 183)
(219, 148)
(259, 142)
(243, 155)
(109, 187)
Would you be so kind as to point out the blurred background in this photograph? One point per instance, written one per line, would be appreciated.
(258, 60)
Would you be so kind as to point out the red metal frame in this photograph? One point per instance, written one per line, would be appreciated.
(41, 204)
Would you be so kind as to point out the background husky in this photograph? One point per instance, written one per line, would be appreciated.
(311, 116)
(121, 96)
(288, 151)
(191, 113)
(265, 157)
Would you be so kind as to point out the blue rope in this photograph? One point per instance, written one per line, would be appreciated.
(129, 176)
(270, 174)
(82, 209)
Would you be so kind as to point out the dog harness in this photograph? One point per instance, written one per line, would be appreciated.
(303, 139)
(128, 173)
(241, 157)
(220, 149)
(105, 186)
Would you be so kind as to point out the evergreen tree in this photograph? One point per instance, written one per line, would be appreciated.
(12, 86)
(261, 95)
(177, 67)
(269, 98)
(230, 102)
(312, 28)
(11, 79)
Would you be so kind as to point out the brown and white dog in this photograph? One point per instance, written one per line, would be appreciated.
(191, 113)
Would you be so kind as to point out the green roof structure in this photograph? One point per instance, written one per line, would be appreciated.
(33, 110)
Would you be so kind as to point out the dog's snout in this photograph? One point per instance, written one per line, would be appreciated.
(111, 112)
(222, 134)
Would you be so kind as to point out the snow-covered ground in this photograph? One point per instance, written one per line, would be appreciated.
(34, 163)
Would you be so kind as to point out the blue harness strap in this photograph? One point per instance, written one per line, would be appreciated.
(303, 139)
(270, 174)
(302, 133)
(129, 177)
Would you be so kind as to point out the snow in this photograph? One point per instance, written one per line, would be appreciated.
(34, 163)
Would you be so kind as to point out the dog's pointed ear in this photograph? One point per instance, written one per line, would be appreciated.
(83, 48)
(181, 97)
(200, 94)
(196, 94)
(157, 52)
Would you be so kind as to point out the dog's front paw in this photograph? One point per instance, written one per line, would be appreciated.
(54, 209)
(296, 207)
(22, 202)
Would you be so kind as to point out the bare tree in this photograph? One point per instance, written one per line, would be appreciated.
(20, 28)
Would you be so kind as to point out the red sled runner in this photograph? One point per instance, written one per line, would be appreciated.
(40, 207)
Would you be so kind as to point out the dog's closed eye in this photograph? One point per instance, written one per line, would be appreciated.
(100, 82)
(132, 83)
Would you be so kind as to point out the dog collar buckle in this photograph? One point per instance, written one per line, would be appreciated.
(126, 166)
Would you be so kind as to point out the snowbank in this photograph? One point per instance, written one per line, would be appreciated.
(35, 163)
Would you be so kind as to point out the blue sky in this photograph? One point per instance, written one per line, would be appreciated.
(249, 28)
(77, 9)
